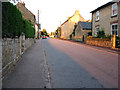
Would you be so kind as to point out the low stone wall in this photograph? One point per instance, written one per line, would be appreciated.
(12, 50)
(99, 42)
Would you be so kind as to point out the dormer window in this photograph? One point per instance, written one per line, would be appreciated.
(114, 9)
(97, 15)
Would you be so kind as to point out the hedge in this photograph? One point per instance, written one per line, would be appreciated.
(13, 24)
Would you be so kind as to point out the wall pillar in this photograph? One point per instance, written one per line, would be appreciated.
(113, 40)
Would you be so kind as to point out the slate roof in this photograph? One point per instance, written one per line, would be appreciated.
(85, 25)
(103, 6)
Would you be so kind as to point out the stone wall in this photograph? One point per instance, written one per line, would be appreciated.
(12, 50)
(99, 42)
(103, 42)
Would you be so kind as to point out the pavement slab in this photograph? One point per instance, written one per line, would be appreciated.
(29, 71)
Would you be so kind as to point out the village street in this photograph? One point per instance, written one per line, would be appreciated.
(70, 64)
(75, 65)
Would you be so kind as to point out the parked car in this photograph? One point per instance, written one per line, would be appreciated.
(44, 37)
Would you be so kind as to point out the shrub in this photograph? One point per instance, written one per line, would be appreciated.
(75, 26)
(13, 24)
(70, 36)
(101, 34)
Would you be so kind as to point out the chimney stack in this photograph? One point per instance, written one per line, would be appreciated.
(23, 3)
(77, 12)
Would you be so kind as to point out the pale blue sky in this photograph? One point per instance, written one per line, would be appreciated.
(54, 11)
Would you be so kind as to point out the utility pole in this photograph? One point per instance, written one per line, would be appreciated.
(38, 25)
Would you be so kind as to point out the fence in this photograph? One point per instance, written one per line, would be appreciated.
(12, 49)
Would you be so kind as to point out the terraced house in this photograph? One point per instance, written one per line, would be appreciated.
(27, 14)
(68, 26)
(107, 19)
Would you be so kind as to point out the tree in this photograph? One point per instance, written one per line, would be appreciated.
(44, 32)
(74, 29)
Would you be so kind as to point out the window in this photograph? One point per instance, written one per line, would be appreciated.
(97, 15)
(114, 29)
(114, 9)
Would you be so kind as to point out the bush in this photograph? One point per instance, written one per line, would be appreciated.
(75, 26)
(100, 34)
(13, 24)
(89, 37)
(70, 36)
(29, 31)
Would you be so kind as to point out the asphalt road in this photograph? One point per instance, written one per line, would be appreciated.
(75, 65)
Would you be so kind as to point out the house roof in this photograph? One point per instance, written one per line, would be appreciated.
(103, 6)
(85, 25)
(67, 20)
(71, 17)
(22, 4)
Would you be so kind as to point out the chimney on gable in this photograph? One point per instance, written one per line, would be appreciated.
(23, 3)
(77, 12)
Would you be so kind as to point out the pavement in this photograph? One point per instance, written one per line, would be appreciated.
(30, 71)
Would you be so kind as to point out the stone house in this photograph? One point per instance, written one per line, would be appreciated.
(83, 30)
(68, 26)
(107, 18)
(27, 14)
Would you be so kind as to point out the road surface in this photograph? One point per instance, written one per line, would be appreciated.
(75, 65)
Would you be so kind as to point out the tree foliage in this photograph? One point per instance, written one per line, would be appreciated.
(44, 32)
(74, 29)
(13, 24)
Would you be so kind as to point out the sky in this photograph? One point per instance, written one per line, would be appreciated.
(55, 12)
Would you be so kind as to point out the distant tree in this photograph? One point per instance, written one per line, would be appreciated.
(52, 33)
(44, 32)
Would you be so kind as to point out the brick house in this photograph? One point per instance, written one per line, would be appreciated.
(26, 13)
(83, 30)
(107, 18)
(68, 26)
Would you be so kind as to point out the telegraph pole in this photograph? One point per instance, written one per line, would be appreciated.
(38, 25)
